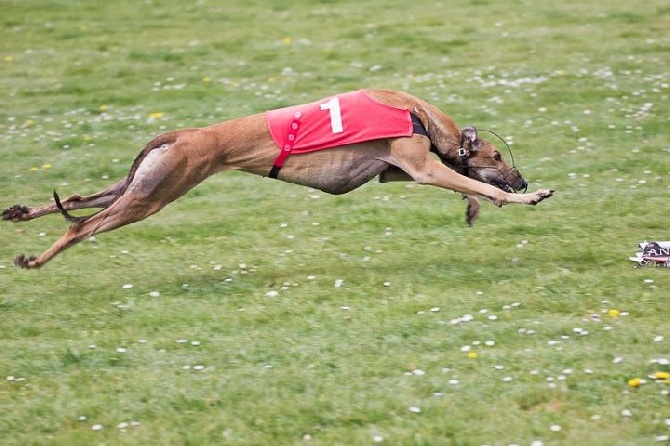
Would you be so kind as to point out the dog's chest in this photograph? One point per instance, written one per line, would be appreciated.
(348, 118)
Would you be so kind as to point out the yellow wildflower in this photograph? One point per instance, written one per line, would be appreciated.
(635, 382)
(662, 375)
(156, 115)
(472, 354)
(614, 313)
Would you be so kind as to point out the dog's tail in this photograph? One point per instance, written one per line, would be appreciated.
(69, 217)
(158, 141)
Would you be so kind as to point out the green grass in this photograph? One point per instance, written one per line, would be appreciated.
(581, 88)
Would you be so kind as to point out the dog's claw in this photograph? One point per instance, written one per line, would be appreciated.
(14, 213)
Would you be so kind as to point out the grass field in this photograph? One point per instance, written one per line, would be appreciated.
(254, 312)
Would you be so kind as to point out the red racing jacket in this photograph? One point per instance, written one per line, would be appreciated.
(348, 118)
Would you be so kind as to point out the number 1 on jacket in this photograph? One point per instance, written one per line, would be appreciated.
(333, 106)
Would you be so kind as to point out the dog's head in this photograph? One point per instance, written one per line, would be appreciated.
(482, 161)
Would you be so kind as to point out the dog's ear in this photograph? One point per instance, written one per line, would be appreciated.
(468, 138)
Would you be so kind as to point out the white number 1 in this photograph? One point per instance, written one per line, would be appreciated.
(333, 106)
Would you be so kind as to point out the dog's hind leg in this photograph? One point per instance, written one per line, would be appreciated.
(120, 213)
(159, 179)
(101, 199)
(131, 207)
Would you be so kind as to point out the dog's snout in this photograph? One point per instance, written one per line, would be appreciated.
(524, 184)
(516, 180)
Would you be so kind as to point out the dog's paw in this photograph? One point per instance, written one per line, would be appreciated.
(15, 213)
(26, 262)
(540, 195)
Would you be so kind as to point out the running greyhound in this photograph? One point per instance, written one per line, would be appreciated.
(335, 145)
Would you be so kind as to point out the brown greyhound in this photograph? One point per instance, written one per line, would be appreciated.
(422, 144)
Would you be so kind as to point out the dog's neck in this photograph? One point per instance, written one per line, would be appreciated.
(447, 149)
(449, 152)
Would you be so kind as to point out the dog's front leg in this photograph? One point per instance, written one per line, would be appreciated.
(428, 170)
(472, 211)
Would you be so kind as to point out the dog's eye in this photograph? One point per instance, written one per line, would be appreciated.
(497, 157)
